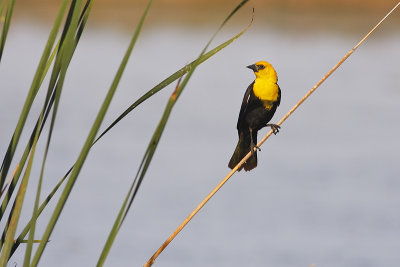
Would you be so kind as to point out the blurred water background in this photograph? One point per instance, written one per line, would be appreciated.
(327, 188)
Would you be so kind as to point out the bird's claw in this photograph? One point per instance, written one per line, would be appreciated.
(274, 127)
(252, 148)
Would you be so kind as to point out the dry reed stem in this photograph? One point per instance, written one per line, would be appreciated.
(186, 221)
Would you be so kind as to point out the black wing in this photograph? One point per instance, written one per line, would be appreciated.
(249, 102)
(247, 99)
(279, 96)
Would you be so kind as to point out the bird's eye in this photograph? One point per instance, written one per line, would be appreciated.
(260, 67)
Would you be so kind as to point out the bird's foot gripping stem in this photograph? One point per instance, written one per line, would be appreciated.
(274, 127)
(252, 146)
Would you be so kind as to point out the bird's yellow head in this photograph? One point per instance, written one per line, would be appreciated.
(264, 70)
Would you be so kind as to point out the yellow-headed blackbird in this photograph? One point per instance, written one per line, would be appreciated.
(259, 104)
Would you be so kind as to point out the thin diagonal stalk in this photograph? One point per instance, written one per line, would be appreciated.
(224, 180)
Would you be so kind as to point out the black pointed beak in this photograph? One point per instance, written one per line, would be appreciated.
(253, 67)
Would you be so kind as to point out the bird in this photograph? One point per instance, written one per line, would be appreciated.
(260, 102)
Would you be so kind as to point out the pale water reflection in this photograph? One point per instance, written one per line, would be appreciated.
(327, 188)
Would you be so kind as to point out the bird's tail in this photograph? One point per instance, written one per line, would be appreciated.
(242, 148)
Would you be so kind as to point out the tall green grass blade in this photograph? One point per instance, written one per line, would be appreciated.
(172, 100)
(28, 251)
(68, 52)
(85, 150)
(177, 74)
(150, 93)
(37, 211)
(84, 17)
(154, 90)
(167, 81)
(31, 94)
(6, 25)
(2, 7)
(154, 142)
(22, 161)
(16, 210)
(32, 229)
(64, 55)
(35, 214)
(18, 172)
(26, 229)
(29, 146)
(82, 22)
(53, 85)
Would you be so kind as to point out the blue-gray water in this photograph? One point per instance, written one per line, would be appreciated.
(327, 188)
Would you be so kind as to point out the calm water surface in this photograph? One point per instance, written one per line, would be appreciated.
(327, 189)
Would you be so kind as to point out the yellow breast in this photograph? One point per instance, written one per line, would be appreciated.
(267, 91)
